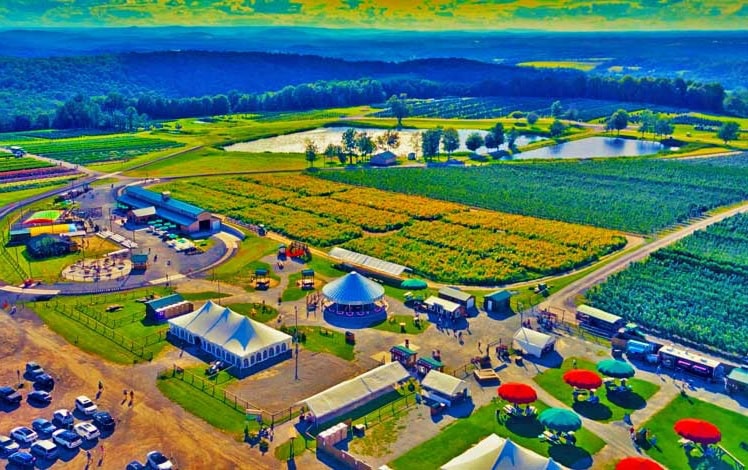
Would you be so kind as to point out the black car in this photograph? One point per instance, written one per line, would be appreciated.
(10, 396)
(44, 382)
(22, 459)
(103, 420)
(40, 396)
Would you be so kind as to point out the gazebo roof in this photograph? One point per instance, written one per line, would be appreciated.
(353, 289)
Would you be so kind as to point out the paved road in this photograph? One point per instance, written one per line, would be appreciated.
(564, 298)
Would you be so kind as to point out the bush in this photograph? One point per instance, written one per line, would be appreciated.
(532, 118)
(264, 445)
(517, 115)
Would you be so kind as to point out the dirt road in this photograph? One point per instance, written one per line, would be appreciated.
(564, 298)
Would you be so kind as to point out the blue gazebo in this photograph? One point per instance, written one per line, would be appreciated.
(354, 295)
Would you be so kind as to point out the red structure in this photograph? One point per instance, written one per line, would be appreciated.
(697, 430)
(517, 393)
(637, 463)
(581, 378)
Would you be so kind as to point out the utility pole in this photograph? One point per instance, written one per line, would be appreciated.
(296, 340)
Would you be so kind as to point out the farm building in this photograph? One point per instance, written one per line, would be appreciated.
(599, 321)
(497, 302)
(441, 306)
(356, 392)
(444, 388)
(365, 263)
(144, 204)
(456, 295)
(353, 295)
(139, 261)
(737, 380)
(496, 452)
(246, 344)
(167, 307)
(47, 246)
(385, 158)
(675, 358)
(534, 342)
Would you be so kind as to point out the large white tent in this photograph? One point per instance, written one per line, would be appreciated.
(231, 337)
(497, 453)
(356, 392)
(534, 342)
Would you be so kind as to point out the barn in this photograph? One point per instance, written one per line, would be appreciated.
(457, 296)
(145, 205)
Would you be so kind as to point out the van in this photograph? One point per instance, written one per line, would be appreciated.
(44, 449)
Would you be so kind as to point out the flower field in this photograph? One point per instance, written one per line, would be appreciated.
(696, 290)
(441, 240)
(612, 194)
(87, 150)
(10, 164)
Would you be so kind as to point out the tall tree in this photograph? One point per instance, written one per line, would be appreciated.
(647, 121)
(490, 142)
(474, 141)
(310, 151)
(662, 127)
(349, 142)
(497, 131)
(391, 139)
(556, 109)
(450, 140)
(333, 151)
(365, 144)
(399, 107)
(511, 139)
(729, 131)
(618, 121)
(532, 118)
(430, 140)
(557, 128)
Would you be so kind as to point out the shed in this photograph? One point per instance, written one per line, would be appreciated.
(404, 355)
(443, 387)
(385, 158)
(142, 215)
(737, 379)
(426, 364)
(456, 295)
(167, 307)
(599, 321)
(534, 342)
(441, 306)
(497, 302)
(139, 261)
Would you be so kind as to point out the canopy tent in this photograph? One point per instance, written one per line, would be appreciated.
(444, 384)
(534, 342)
(43, 217)
(637, 463)
(560, 419)
(581, 378)
(353, 289)
(698, 430)
(414, 284)
(616, 368)
(231, 337)
(497, 453)
(517, 393)
(356, 392)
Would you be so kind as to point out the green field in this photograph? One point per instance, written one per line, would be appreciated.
(13, 163)
(10, 197)
(582, 65)
(319, 339)
(255, 311)
(240, 268)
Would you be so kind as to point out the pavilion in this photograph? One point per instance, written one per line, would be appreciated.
(355, 296)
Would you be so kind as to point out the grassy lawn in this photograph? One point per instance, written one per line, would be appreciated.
(584, 66)
(610, 408)
(319, 339)
(240, 269)
(293, 291)
(300, 444)
(207, 295)
(459, 436)
(105, 182)
(15, 196)
(255, 311)
(324, 267)
(392, 324)
(378, 439)
(669, 453)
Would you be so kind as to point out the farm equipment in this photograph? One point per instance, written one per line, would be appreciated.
(298, 250)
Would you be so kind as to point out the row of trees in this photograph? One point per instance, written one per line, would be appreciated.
(354, 146)
(660, 126)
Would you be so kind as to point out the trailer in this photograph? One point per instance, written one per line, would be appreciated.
(599, 322)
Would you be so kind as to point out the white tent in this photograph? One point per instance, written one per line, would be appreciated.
(231, 337)
(353, 393)
(445, 385)
(534, 342)
(497, 453)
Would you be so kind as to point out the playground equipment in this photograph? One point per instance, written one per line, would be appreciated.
(307, 279)
(261, 279)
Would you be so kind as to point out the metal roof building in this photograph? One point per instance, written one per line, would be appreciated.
(367, 262)
(145, 203)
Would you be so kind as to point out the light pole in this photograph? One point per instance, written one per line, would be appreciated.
(296, 340)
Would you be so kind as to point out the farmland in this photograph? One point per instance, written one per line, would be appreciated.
(695, 290)
(613, 194)
(12, 164)
(440, 240)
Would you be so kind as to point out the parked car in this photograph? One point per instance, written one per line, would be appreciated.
(85, 405)
(103, 420)
(67, 438)
(10, 396)
(33, 370)
(7, 445)
(40, 396)
(22, 459)
(44, 449)
(43, 426)
(158, 461)
(135, 465)
(44, 382)
(23, 435)
(63, 418)
(87, 431)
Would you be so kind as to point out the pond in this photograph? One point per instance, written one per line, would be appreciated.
(594, 147)
(294, 143)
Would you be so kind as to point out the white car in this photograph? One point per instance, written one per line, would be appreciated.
(67, 438)
(62, 418)
(158, 461)
(24, 435)
(85, 405)
(7, 445)
(87, 431)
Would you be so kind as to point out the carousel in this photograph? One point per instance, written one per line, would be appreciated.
(354, 299)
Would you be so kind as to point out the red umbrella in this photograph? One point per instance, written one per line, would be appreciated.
(517, 393)
(637, 463)
(582, 378)
(698, 430)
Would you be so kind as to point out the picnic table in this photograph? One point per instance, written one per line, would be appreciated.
(114, 308)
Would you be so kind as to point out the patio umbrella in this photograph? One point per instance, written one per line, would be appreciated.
(581, 378)
(637, 463)
(560, 420)
(173, 236)
(414, 284)
(698, 430)
(517, 393)
(615, 368)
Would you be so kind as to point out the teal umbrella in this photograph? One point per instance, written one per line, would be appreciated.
(615, 368)
(173, 236)
(414, 284)
(560, 420)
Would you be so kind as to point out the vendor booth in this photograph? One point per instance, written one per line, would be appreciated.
(424, 365)
(404, 355)
(534, 342)
(444, 388)
(439, 306)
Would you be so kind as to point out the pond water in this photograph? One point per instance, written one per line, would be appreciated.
(594, 147)
(294, 143)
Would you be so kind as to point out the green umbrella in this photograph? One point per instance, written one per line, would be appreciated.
(560, 420)
(615, 368)
(173, 236)
(414, 284)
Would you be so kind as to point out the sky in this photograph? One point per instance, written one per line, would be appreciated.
(496, 15)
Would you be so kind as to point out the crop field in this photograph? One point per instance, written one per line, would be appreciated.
(8, 164)
(441, 240)
(496, 107)
(697, 289)
(88, 150)
(613, 194)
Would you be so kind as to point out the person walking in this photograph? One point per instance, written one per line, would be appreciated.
(574, 364)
